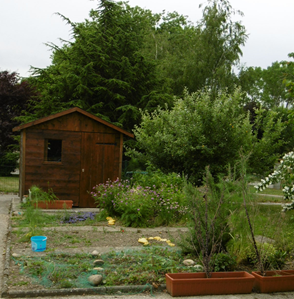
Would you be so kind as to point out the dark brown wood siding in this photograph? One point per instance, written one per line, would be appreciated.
(91, 154)
(74, 122)
(63, 177)
(100, 162)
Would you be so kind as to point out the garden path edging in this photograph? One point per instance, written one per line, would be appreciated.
(132, 290)
(6, 271)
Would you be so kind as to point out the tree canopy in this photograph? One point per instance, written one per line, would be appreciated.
(198, 131)
(14, 97)
(124, 58)
(102, 70)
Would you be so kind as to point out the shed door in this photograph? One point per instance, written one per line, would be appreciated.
(99, 162)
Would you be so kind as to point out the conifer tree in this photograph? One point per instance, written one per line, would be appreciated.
(102, 70)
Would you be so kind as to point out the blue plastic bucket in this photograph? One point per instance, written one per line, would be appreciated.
(38, 243)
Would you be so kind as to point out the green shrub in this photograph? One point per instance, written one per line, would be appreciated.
(271, 257)
(223, 262)
(218, 215)
(8, 163)
(199, 130)
(156, 178)
(141, 205)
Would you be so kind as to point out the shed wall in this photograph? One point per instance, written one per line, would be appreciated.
(91, 154)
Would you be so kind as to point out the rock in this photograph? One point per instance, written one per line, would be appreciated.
(198, 268)
(95, 279)
(15, 255)
(263, 239)
(188, 262)
(98, 262)
(95, 253)
(98, 269)
(16, 213)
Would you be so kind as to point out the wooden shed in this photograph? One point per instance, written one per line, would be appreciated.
(72, 151)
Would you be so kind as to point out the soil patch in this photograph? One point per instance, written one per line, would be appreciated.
(78, 239)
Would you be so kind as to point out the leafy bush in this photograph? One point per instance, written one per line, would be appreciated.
(271, 257)
(140, 206)
(208, 213)
(199, 130)
(8, 163)
(211, 211)
(284, 173)
(223, 262)
(155, 177)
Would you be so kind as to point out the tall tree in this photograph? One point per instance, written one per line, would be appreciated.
(204, 54)
(14, 97)
(102, 69)
(265, 85)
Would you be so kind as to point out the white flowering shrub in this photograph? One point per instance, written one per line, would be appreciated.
(285, 174)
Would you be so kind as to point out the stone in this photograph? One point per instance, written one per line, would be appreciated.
(15, 255)
(16, 213)
(95, 279)
(95, 253)
(98, 269)
(263, 239)
(188, 262)
(98, 262)
(198, 268)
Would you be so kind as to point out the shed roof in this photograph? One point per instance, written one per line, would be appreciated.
(66, 112)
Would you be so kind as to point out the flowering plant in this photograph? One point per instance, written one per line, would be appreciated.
(283, 173)
(139, 205)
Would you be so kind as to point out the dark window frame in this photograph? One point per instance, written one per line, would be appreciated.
(53, 156)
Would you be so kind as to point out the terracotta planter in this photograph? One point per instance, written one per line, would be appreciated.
(189, 284)
(274, 281)
(57, 204)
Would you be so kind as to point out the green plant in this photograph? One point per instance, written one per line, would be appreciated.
(138, 205)
(272, 258)
(36, 194)
(239, 247)
(223, 262)
(208, 212)
(33, 219)
(283, 173)
(201, 129)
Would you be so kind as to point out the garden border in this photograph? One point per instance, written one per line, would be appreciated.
(6, 271)
(100, 290)
(131, 290)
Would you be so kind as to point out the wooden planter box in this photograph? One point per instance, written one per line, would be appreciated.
(190, 284)
(274, 281)
(57, 204)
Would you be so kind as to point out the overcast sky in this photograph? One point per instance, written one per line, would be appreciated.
(26, 25)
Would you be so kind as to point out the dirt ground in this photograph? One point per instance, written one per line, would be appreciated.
(79, 239)
(91, 237)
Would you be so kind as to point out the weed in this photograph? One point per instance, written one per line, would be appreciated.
(20, 283)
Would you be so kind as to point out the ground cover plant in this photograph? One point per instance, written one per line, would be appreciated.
(68, 218)
(61, 270)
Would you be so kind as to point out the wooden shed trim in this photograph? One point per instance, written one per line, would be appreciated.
(66, 112)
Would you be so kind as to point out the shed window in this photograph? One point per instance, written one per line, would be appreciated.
(53, 150)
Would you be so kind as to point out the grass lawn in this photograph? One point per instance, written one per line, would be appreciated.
(9, 184)
(267, 191)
